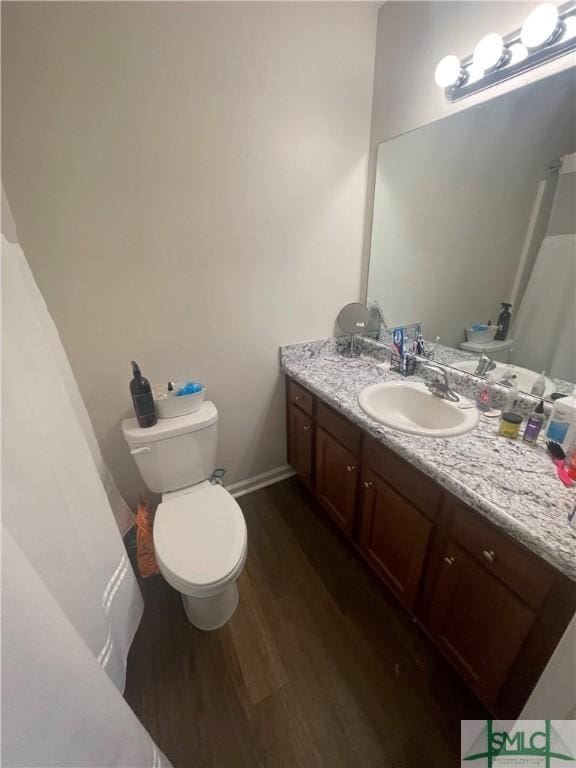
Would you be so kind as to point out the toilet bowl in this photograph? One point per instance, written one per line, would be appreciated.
(199, 531)
(200, 541)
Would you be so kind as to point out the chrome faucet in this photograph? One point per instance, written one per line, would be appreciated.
(485, 364)
(440, 388)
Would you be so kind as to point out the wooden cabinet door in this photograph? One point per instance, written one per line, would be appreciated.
(336, 479)
(394, 537)
(479, 622)
(300, 442)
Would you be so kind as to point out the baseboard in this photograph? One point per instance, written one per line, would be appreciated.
(260, 481)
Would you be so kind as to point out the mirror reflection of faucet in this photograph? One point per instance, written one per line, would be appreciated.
(485, 364)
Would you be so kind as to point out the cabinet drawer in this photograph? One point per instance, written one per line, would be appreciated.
(339, 427)
(300, 397)
(522, 571)
(404, 478)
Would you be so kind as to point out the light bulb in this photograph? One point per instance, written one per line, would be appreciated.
(540, 25)
(489, 52)
(475, 73)
(448, 71)
(569, 28)
(517, 52)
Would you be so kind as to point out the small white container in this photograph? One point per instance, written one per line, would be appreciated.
(169, 405)
(481, 337)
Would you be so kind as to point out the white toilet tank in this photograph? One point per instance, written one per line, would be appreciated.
(175, 453)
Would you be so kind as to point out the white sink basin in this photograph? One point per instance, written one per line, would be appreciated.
(525, 378)
(410, 407)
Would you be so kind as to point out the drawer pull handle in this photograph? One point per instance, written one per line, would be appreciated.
(299, 397)
(368, 483)
(449, 560)
(350, 468)
(307, 427)
(489, 555)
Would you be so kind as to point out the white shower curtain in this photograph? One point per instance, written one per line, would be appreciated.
(71, 604)
(545, 326)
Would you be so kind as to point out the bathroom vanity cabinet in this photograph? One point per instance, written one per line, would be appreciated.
(494, 608)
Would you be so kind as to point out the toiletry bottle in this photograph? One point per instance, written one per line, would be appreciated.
(512, 396)
(142, 399)
(534, 424)
(539, 386)
(503, 321)
(485, 394)
(399, 341)
(510, 425)
(562, 424)
(570, 462)
(421, 346)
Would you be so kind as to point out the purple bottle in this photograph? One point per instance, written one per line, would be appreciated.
(534, 424)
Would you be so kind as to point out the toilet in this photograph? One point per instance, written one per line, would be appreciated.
(499, 351)
(200, 533)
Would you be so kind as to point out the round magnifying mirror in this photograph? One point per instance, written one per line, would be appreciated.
(354, 318)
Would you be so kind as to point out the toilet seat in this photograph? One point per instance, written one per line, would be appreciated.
(200, 539)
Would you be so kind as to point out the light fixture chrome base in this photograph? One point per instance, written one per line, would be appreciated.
(553, 48)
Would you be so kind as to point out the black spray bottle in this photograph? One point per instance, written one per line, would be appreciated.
(503, 321)
(141, 392)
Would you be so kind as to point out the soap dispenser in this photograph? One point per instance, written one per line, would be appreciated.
(142, 398)
(503, 321)
(539, 386)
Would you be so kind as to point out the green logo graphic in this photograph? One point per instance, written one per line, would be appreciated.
(545, 744)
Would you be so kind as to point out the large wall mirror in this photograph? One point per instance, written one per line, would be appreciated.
(477, 209)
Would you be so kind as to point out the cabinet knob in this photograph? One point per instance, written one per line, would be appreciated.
(350, 468)
(449, 560)
(489, 555)
(307, 427)
(368, 483)
(299, 397)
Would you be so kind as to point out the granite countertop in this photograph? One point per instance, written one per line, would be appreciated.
(511, 484)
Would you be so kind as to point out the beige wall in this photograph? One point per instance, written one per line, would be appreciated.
(412, 38)
(188, 182)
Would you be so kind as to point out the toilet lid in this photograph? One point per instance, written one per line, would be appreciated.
(200, 536)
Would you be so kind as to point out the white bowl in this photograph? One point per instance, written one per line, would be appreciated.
(169, 405)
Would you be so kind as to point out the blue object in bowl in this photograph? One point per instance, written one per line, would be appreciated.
(190, 388)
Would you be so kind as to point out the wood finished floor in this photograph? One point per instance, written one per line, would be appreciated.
(318, 668)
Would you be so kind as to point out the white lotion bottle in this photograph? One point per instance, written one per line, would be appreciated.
(562, 425)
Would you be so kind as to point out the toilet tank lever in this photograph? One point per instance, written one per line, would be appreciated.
(143, 449)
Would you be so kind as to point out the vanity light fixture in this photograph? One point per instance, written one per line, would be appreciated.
(490, 52)
(518, 52)
(473, 73)
(548, 32)
(569, 28)
(448, 71)
(541, 26)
